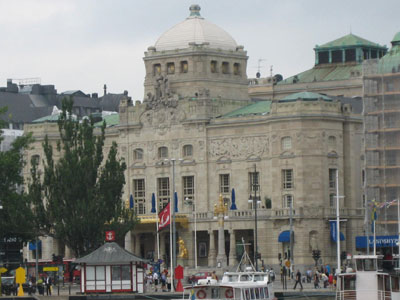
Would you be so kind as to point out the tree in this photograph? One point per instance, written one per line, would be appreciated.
(15, 214)
(78, 197)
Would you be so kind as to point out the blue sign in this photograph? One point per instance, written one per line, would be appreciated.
(381, 241)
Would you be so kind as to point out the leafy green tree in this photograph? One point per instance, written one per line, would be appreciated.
(15, 214)
(78, 196)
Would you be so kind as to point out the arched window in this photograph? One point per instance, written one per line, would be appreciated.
(187, 150)
(138, 154)
(236, 69)
(162, 152)
(286, 143)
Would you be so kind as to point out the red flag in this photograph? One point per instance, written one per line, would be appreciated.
(164, 217)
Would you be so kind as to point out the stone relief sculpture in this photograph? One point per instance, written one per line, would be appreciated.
(163, 96)
(239, 147)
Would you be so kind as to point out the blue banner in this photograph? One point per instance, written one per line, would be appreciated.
(381, 241)
(333, 232)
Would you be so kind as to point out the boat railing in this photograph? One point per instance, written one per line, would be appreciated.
(352, 294)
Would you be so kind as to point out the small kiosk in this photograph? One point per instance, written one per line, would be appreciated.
(110, 269)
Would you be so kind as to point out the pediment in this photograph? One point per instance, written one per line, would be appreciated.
(224, 160)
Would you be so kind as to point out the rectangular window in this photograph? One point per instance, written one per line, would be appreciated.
(184, 66)
(287, 201)
(236, 69)
(287, 179)
(224, 183)
(254, 185)
(332, 178)
(156, 69)
(163, 193)
(188, 189)
(225, 67)
(170, 68)
(139, 195)
(332, 200)
(213, 66)
(138, 154)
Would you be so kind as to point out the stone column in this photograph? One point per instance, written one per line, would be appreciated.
(212, 252)
(68, 252)
(232, 251)
(137, 245)
(221, 257)
(128, 242)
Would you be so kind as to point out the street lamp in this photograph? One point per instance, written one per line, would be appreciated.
(193, 205)
(255, 204)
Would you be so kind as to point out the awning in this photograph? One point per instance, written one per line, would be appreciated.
(381, 241)
(284, 237)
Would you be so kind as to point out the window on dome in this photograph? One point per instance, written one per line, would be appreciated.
(184, 66)
(170, 68)
(225, 67)
(350, 54)
(323, 57)
(337, 56)
(236, 69)
(214, 66)
(156, 69)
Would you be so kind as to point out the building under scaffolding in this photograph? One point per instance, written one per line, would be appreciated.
(382, 137)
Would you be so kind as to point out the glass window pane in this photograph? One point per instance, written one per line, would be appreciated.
(100, 273)
(116, 273)
(126, 272)
(90, 273)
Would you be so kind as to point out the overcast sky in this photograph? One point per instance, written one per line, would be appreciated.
(83, 44)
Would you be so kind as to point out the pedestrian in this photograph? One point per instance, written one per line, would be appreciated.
(48, 285)
(316, 280)
(324, 280)
(309, 272)
(330, 280)
(298, 280)
(214, 276)
(169, 282)
(163, 281)
(155, 279)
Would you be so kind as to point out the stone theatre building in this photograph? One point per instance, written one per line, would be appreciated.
(197, 132)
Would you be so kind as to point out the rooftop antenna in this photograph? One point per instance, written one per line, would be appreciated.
(258, 74)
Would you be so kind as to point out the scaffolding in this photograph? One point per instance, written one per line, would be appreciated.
(381, 104)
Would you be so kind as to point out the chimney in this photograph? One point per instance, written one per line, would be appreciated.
(105, 89)
(95, 95)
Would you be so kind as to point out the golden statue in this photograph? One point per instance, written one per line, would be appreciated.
(183, 253)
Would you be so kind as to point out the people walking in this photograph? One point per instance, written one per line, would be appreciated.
(48, 285)
(298, 280)
(316, 280)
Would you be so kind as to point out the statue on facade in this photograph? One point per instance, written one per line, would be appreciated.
(183, 253)
(163, 96)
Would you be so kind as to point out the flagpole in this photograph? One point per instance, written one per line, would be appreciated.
(398, 224)
(374, 238)
(158, 234)
(338, 271)
(170, 246)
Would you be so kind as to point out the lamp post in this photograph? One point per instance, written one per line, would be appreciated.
(291, 233)
(255, 203)
(220, 211)
(193, 205)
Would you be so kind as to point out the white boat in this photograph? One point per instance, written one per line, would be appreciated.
(244, 284)
(234, 285)
(370, 281)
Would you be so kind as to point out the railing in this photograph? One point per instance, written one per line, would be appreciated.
(284, 213)
(352, 294)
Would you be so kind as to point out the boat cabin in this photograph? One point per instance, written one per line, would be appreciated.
(368, 281)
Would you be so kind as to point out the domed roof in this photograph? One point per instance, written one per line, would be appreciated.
(195, 29)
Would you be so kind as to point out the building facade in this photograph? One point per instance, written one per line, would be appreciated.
(197, 133)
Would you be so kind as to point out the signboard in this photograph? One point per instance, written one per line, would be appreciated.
(381, 241)
(3, 270)
(50, 269)
(110, 236)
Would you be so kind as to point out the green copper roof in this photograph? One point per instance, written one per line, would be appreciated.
(396, 39)
(391, 61)
(307, 96)
(326, 73)
(50, 118)
(258, 108)
(111, 120)
(349, 40)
